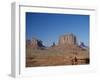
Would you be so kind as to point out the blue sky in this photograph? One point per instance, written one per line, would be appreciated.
(48, 27)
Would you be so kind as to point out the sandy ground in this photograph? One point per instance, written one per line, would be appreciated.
(58, 55)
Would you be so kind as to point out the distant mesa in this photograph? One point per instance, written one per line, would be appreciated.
(82, 45)
(34, 43)
(64, 40)
(53, 45)
(68, 39)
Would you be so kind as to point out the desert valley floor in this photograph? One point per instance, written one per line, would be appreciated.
(57, 55)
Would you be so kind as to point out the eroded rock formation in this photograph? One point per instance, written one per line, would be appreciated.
(68, 39)
(66, 52)
(34, 43)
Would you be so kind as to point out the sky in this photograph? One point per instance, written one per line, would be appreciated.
(49, 26)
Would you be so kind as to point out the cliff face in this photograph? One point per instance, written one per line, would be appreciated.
(34, 43)
(68, 39)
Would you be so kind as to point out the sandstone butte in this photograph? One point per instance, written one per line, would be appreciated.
(66, 52)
